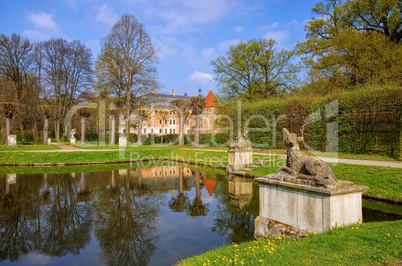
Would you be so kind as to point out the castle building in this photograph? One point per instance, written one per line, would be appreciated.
(162, 118)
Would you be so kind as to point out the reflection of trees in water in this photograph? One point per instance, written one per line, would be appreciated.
(125, 225)
(179, 203)
(196, 208)
(18, 210)
(232, 219)
(65, 223)
(30, 224)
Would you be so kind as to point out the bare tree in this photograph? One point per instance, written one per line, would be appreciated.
(66, 71)
(197, 105)
(9, 110)
(84, 114)
(163, 114)
(182, 107)
(127, 62)
(142, 114)
(15, 65)
(113, 114)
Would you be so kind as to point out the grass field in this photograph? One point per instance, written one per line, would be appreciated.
(366, 244)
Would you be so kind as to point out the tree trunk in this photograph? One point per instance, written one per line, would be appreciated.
(112, 128)
(82, 130)
(8, 128)
(162, 134)
(57, 129)
(139, 132)
(35, 131)
(197, 131)
(181, 129)
(45, 131)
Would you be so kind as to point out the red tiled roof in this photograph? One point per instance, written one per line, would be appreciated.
(210, 100)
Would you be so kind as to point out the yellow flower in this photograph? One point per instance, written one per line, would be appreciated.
(315, 233)
(309, 232)
(260, 261)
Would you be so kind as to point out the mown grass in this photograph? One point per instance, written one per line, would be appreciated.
(29, 148)
(366, 244)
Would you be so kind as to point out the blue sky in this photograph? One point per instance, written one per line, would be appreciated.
(187, 33)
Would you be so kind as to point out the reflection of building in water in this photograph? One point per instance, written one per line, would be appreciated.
(240, 192)
(210, 185)
(164, 171)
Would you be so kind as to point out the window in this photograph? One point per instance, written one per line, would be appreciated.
(170, 131)
(174, 131)
(152, 131)
(170, 121)
(160, 131)
(165, 121)
(171, 112)
(174, 122)
(165, 130)
(160, 121)
(145, 130)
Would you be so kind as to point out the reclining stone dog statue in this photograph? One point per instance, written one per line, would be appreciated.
(301, 168)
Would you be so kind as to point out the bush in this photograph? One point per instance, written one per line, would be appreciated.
(368, 120)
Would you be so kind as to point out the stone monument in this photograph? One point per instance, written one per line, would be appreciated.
(122, 141)
(72, 138)
(240, 153)
(305, 196)
(12, 141)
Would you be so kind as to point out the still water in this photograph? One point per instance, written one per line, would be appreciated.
(129, 216)
(137, 216)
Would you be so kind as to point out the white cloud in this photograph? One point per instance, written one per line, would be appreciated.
(200, 77)
(279, 36)
(225, 45)
(238, 29)
(183, 15)
(35, 35)
(281, 33)
(43, 21)
(106, 15)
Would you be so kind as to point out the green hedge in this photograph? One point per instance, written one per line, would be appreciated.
(366, 121)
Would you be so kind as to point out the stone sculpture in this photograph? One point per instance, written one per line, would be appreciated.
(240, 143)
(303, 169)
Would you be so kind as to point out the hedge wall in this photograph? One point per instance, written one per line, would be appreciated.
(365, 121)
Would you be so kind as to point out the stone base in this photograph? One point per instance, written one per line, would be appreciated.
(12, 140)
(122, 142)
(240, 159)
(267, 227)
(72, 141)
(308, 208)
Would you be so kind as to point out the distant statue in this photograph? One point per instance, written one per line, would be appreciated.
(303, 169)
(72, 133)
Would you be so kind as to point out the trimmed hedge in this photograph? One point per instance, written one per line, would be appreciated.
(366, 121)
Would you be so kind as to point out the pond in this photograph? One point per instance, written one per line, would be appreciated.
(154, 215)
(138, 216)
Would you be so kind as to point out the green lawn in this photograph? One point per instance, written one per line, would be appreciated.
(366, 244)
(28, 148)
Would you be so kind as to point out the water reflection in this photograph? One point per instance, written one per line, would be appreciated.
(137, 216)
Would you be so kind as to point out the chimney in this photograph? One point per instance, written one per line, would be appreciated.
(173, 93)
(153, 91)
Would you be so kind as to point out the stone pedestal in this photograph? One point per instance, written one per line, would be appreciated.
(240, 153)
(72, 141)
(296, 209)
(240, 159)
(122, 141)
(49, 141)
(12, 140)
